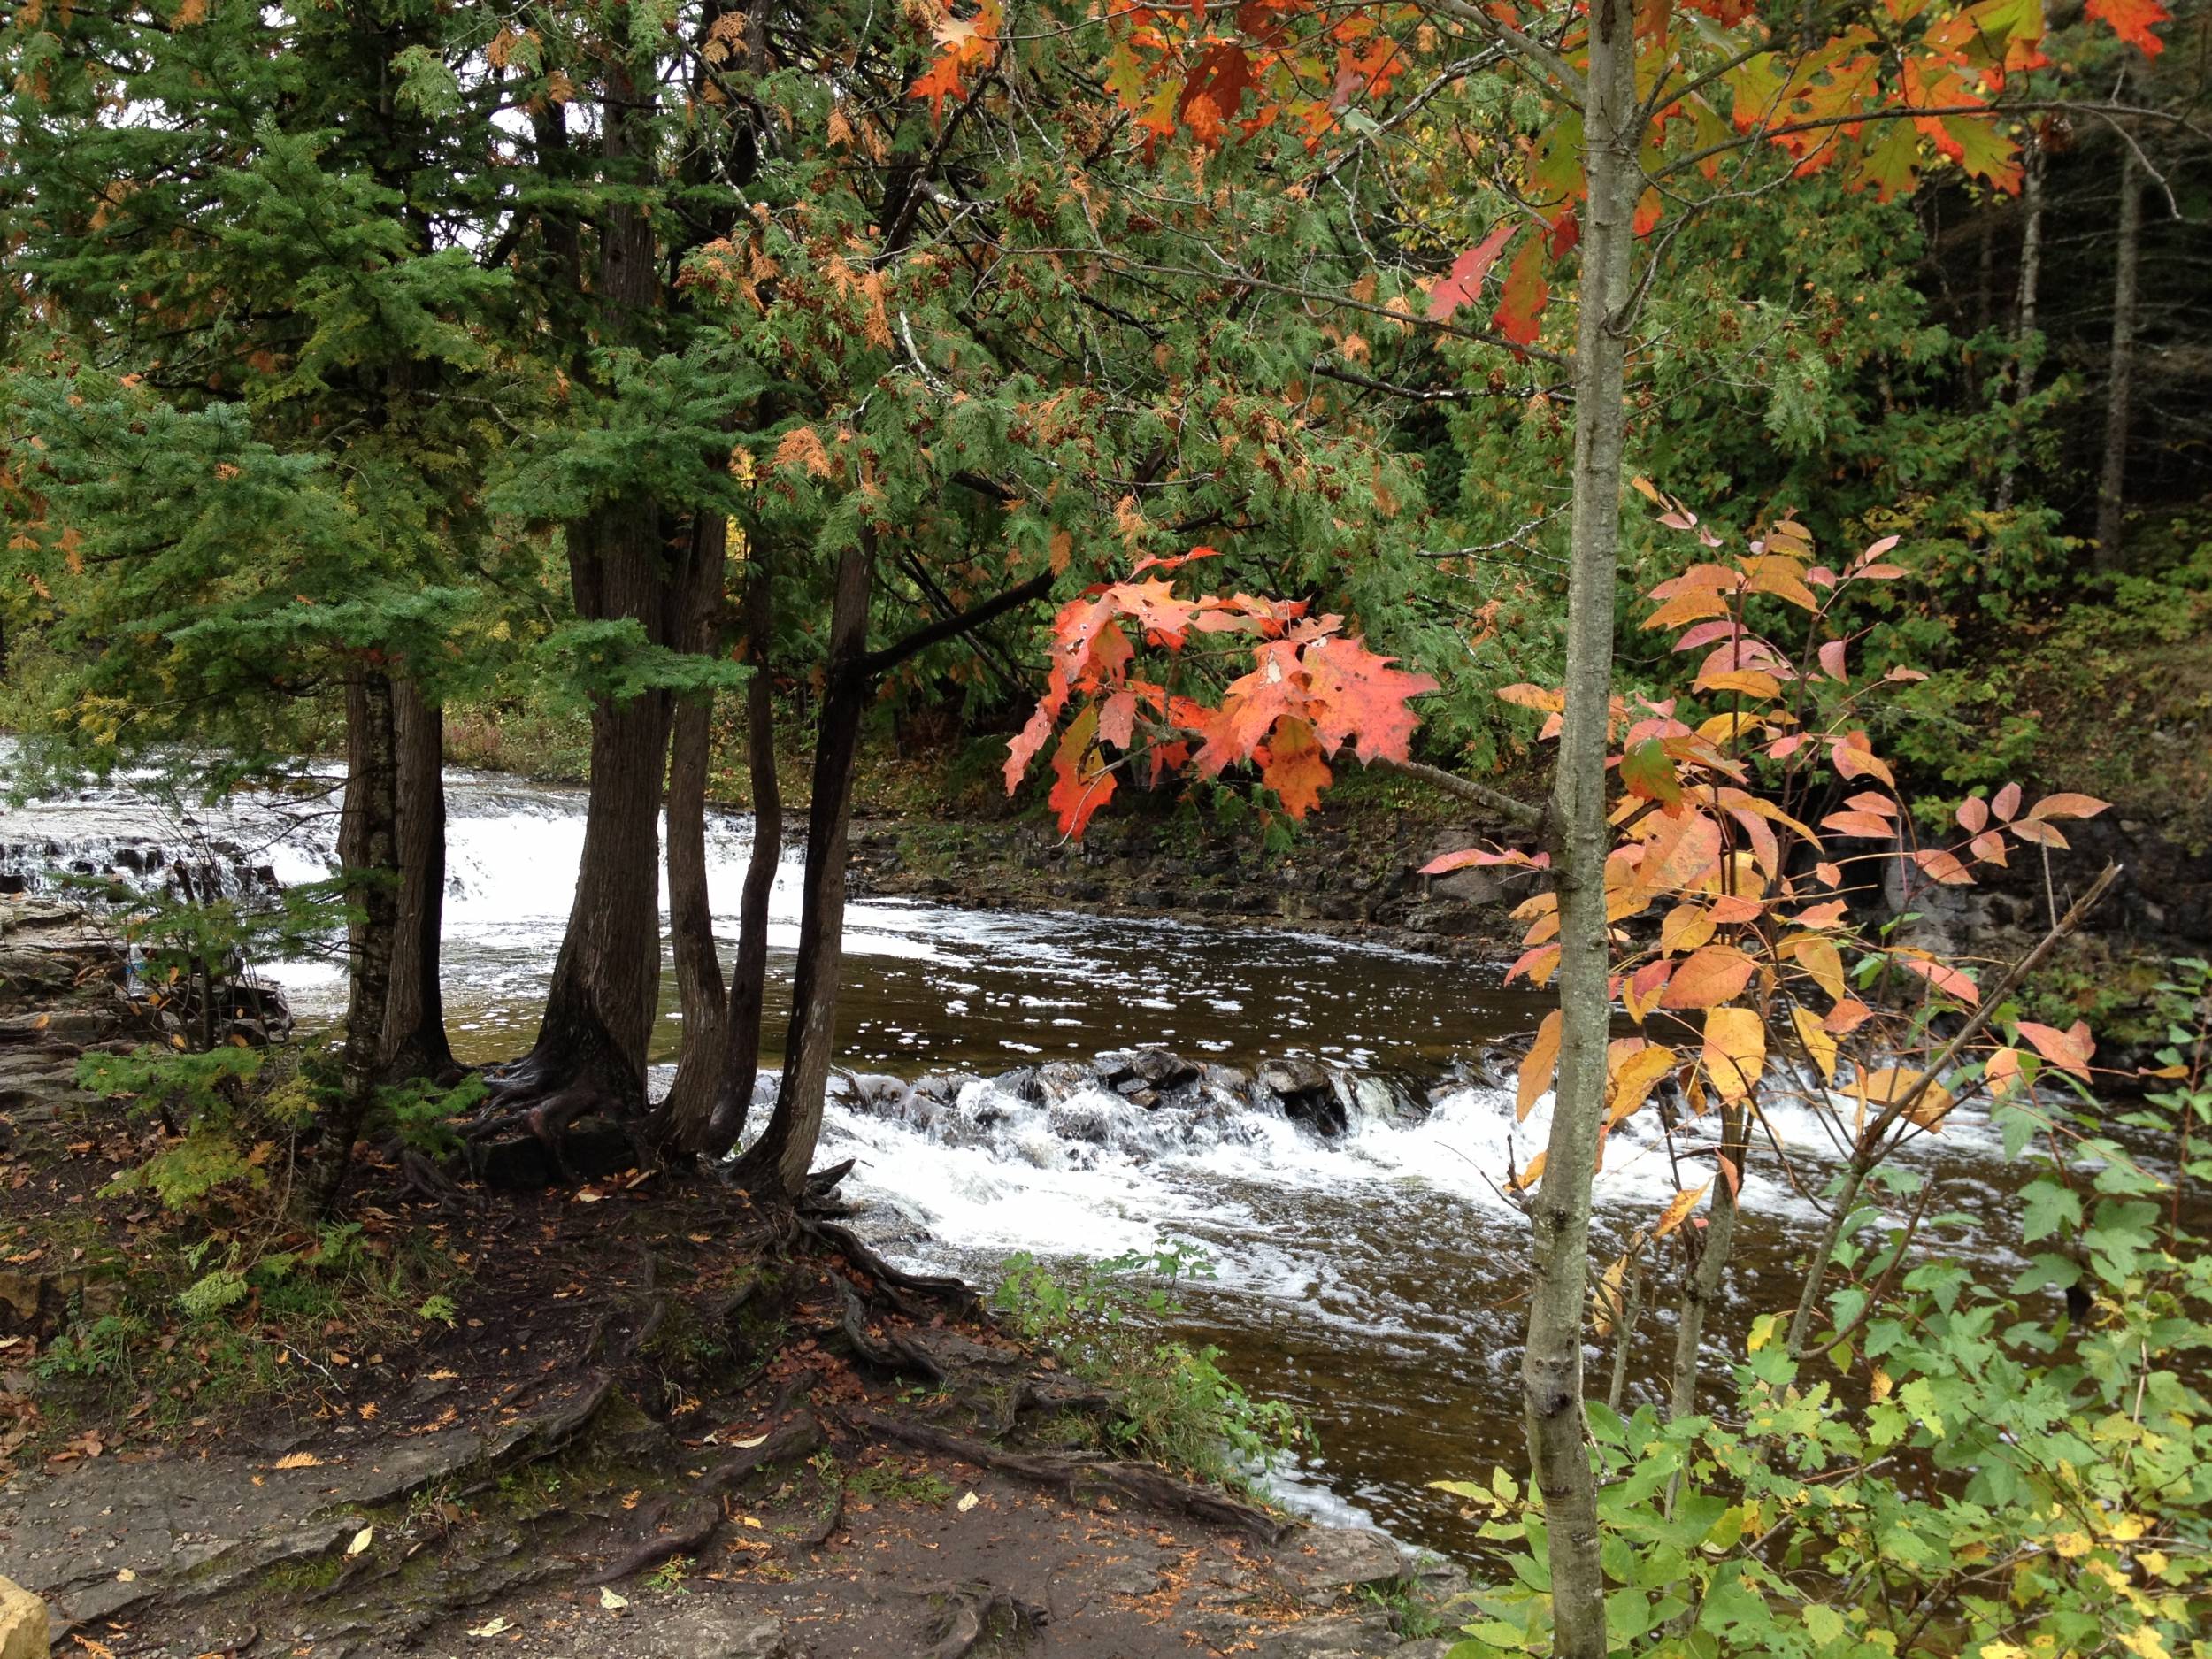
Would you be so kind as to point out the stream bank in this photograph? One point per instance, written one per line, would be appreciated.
(636, 1415)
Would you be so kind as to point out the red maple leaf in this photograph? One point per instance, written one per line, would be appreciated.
(1521, 303)
(1459, 286)
(2132, 21)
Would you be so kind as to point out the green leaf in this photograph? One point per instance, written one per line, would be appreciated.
(2049, 1208)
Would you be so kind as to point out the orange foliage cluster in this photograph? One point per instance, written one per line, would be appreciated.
(1751, 903)
(1311, 691)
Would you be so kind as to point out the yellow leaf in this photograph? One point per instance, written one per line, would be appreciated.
(1637, 1074)
(1894, 1083)
(1818, 1043)
(298, 1460)
(1685, 928)
(1678, 1211)
(2070, 1545)
(1609, 1296)
(612, 1603)
(1530, 1176)
(362, 1540)
(1820, 958)
(1537, 1069)
(1735, 1051)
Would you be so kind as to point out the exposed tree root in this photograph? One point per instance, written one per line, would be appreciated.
(973, 1611)
(703, 1515)
(891, 1352)
(890, 1281)
(687, 1536)
(1141, 1482)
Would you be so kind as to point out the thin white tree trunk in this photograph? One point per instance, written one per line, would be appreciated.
(2024, 308)
(1552, 1363)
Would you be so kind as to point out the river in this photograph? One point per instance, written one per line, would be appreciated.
(1368, 1275)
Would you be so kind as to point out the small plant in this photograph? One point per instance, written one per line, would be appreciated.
(895, 1483)
(668, 1578)
(1175, 1404)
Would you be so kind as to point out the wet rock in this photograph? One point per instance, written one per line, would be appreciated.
(1021, 1083)
(1134, 1091)
(1058, 1078)
(1077, 1120)
(1334, 1560)
(707, 1633)
(1309, 1094)
(1152, 1066)
(24, 1629)
(1344, 1636)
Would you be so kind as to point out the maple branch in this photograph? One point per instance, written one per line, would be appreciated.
(1467, 789)
(950, 627)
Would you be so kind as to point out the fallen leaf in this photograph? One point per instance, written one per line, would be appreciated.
(362, 1540)
(612, 1603)
(757, 1440)
(498, 1626)
(298, 1460)
(968, 1502)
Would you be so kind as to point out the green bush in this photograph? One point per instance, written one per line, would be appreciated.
(1962, 1467)
(1174, 1403)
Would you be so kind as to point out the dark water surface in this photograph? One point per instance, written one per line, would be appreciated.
(1370, 1278)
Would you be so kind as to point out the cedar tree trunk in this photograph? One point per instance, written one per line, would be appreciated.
(779, 1161)
(369, 852)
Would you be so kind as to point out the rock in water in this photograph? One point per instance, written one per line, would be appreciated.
(24, 1630)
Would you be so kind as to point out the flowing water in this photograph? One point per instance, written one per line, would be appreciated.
(1367, 1276)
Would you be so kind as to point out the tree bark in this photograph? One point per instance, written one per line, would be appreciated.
(598, 1020)
(779, 1161)
(748, 972)
(1702, 1288)
(369, 852)
(415, 1042)
(2120, 380)
(2025, 304)
(1552, 1362)
(699, 991)
(593, 1041)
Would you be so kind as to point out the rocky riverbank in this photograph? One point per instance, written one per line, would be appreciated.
(635, 1417)
(1351, 873)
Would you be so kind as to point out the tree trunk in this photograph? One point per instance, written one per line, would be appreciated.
(592, 1043)
(748, 972)
(1702, 1289)
(415, 1040)
(699, 992)
(778, 1162)
(1552, 1363)
(2024, 304)
(598, 1023)
(369, 852)
(2128, 247)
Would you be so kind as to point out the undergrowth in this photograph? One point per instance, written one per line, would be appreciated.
(1102, 1321)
